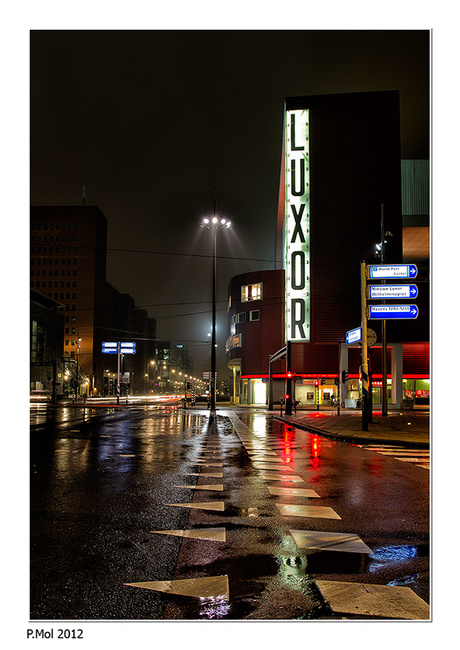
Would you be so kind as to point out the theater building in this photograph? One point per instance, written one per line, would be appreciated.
(342, 179)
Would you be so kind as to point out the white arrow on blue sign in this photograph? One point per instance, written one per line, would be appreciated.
(386, 271)
(354, 336)
(127, 348)
(393, 311)
(110, 347)
(382, 291)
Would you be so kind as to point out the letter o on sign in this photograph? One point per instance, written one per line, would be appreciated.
(298, 270)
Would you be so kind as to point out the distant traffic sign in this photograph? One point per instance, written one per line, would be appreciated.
(110, 347)
(382, 291)
(127, 348)
(354, 336)
(383, 271)
(393, 311)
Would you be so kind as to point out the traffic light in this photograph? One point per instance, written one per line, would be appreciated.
(316, 383)
(323, 381)
(344, 376)
(289, 374)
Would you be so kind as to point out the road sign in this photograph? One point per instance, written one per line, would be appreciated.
(371, 337)
(393, 311)
(110, 347)
(354, 336)
(382, 291)
(384, 271)
(127, 348)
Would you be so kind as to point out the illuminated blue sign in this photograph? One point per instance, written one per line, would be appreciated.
(393, 311)
(354, 336)
(382, 271)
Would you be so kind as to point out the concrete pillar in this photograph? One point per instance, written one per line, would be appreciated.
(396, 374)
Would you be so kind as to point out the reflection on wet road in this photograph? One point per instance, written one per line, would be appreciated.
(163, 514)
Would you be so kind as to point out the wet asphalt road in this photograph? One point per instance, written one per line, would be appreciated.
(100, 482)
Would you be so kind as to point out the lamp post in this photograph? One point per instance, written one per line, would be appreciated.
(214, 224)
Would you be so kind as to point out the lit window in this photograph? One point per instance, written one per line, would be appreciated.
(233, 342)
(251, 292)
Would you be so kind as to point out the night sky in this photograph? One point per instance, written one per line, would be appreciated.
(151, 122)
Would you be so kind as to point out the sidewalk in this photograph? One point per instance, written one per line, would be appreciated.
(407, 429)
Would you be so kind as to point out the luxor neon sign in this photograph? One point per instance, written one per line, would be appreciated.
(297, 226)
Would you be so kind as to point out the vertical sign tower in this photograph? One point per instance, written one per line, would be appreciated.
(296, 237)
(297, 226)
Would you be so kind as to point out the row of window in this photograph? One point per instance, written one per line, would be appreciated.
(56, 285)
(49, 260)
(54, 226)
(56, 296)
(52, 249)
(56, 273)
(53, 238)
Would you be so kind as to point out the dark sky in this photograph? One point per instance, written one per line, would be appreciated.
(152, 121)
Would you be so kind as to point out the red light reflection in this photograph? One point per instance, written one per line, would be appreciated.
(315, 450)
(286, 450)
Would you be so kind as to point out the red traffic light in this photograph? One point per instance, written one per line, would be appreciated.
(316, 384)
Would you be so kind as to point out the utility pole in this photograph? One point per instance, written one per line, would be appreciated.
(213, 329)
(288, 407)
(118, 371)
(364, 362)
(384, 322)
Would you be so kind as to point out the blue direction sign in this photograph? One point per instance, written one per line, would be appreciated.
(127, 348)
(382, 291)
(354, 336)
(386, 271)
(393, 311)
(110, 347)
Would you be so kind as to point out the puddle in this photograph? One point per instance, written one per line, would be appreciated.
(396, 554)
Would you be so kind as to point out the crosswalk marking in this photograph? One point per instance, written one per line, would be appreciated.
(284, 478)
(272, 467)
(418, 457)
(381, 601)
(218, 487)
(293, 492)
(204, 505)
(209, 534)
(292, 510)
(209, 587)
(206, 474)
(326, 541)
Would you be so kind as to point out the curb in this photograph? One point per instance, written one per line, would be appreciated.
(353, 439)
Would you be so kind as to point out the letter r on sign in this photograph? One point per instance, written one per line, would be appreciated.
(297, 318)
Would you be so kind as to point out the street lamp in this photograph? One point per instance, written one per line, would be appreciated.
(214, 224)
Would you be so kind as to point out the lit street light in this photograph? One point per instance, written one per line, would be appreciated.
(215, 224)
